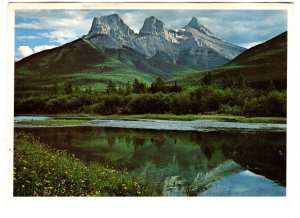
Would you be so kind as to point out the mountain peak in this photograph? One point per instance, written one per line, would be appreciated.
(108, 25)
(155, 27)
(198, 26)
(114, 15)
(152, 26)
(194, 20)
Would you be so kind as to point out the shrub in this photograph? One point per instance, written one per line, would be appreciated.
(110, 104)
(273, 104)
(31, 105)
(148, 103)
(181, 104)
(230, 109)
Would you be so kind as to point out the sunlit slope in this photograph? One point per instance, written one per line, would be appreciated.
(259, 65)
(84, 65)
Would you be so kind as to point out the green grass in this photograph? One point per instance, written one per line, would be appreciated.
(184, 117)
(40, 171)
(216, 117)
(53, 122)
(93, 69)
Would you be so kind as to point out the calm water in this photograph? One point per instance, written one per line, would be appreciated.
(212, 163)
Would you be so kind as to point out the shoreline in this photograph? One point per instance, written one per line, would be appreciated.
(154, 124)
(172, 117)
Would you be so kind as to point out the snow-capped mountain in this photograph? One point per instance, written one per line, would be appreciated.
(194, 45)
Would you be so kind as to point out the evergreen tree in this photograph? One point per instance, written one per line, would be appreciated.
(111, 88)
(68, 88)
(128, 88)
(158, 85)
(175, 88)
(138, 87)
(207, 79)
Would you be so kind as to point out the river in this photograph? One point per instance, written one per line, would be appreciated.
(207, 158)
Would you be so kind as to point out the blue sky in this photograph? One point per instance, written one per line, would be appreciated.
(36, 30)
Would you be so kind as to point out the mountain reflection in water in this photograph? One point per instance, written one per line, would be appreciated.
(197, 159)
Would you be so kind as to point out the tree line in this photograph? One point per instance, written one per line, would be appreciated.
(137, 98)
(159, 85)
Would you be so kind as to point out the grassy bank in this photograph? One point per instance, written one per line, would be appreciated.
(40, 171)
(186, 117)
(53, 122)
(216, 117)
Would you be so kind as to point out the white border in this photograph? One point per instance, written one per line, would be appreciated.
(150, 207)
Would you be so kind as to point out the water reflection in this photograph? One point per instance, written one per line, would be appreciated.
(163, 154)
(244, 183)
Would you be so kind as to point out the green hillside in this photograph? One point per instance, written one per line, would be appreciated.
(85, 65)
(258, 65)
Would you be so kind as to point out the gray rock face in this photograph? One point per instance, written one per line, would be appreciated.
(194, 46)
(150, 45)
(154, 27)
(197, 26)
(111, 31)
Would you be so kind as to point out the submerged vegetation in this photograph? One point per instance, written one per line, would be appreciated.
(40, 171)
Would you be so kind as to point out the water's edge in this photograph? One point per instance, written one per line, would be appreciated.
(154, 124)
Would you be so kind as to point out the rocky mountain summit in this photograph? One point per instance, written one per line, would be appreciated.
(154, 27)
(197, 26)
(193, 46)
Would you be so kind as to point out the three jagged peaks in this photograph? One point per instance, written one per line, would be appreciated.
(194, 45)
(151, 26)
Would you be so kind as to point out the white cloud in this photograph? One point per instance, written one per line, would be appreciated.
(27, 37)
(132, 20)
(43, 47)
(60, 37)
(234, 26)
(25, 51)
(250, 44)
(22, 52)
(28, 25)
(59, 26)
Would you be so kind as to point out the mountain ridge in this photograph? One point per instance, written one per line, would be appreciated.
(259, 65)
(194, 40)
(112, 51)
(86, 65)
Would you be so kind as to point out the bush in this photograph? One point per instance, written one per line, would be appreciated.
(206, 99)
(181, 104)
(110, 104)
(273, 104)
(230, 109)
(57, 105)
(30, 105)
(148, 103)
